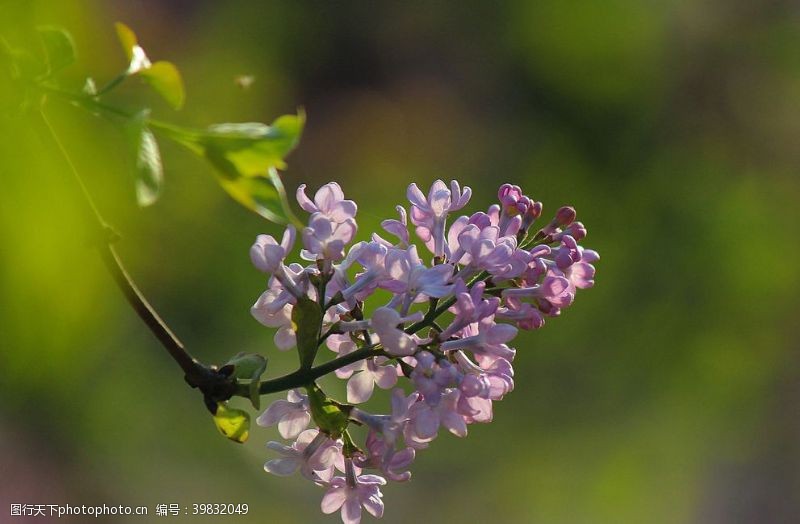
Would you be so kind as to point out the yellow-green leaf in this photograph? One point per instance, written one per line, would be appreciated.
(250, 149)
(137, 59)
(263, 195)
(58, 46)
(326, 413)
(149, 170)
(249, 366)
(232, 423)
(246, 157)
(127, 38)
(150, 173)
(166, 80)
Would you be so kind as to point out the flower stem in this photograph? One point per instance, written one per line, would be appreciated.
(303, 377)
(434, 313)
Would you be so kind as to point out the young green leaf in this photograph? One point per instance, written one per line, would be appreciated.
(58, 47)
(262, 195)
(250, 149)
(246, 157)
(326, 413)
(249, 366)
(307, 316)
(137, 59)
(232, 423)
(166, 80)
(163, 76)
(149, 170)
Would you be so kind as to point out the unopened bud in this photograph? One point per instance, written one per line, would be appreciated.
(533, 212)
(565, 216)
(577, 230)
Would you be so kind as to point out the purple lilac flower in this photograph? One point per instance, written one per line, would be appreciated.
(398, 228)
(365, 374)
(395, 341)
(326, 240)
(351, 492)
(311, 453)
(408, 276)
(490, 271)
(291, 415)
(426, 419)
(329, 201)
(430, 214)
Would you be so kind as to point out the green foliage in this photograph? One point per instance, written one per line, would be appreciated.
(307, 316)
(166, 80)
(249, 366)
(246, 157)
(149, 171)
(327, 413)
(232, 423)
(162, 76)
(58, 46)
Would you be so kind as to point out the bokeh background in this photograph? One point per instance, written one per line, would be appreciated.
(669, 393)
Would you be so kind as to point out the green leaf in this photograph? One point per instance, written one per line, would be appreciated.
(307, 316)
(163, 76)
(232, 423)
(58, 46)
(251, 149)
(249, 366)
(264, 196)
(326, 413)
(166, 80)
(246, 158)
(137, 58)
(149, 170)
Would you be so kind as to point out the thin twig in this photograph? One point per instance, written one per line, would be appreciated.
(102, 237)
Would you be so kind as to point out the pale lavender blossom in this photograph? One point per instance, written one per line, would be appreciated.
(329, 201)
(492, 379)
(523, 314)
(371, 256)
(326, 240)
(485, 337)
(312, 452)
(384, 457)
(485, 249)
(351, 492)
(395, 341)
(268, 255)
(430, 214)
(408, 276)
(426, 419)
(433, 377)
(470, 307)
(273, 309)
(291, 415)
(398, 228)
(554, 289)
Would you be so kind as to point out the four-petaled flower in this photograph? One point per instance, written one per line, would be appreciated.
(351, 492)
(291, 415)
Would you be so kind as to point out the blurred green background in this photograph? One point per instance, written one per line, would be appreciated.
(667, 394)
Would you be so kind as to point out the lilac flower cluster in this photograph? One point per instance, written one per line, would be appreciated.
(446, 328)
